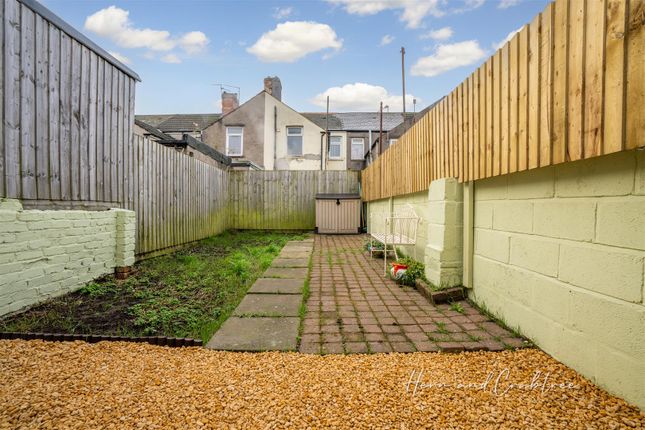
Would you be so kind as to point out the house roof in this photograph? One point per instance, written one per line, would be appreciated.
(355, 121)
(369, 120)
(152, 130)
(320, 119)
(180, 122)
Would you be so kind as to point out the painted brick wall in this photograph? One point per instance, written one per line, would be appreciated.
(559, 253)
(48, 253)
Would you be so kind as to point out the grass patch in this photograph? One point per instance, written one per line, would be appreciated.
(189, 293)
(302, 311)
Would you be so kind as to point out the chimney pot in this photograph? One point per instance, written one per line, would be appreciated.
(273, 86)
(230, 102)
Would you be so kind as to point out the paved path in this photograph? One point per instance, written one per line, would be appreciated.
(268, 317)
(354, 308)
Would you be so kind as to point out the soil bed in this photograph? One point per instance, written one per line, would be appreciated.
(185, 294)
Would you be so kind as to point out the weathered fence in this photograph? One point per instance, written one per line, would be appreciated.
(67, 112)
(568, 86)
(282, 199)
(177, 198)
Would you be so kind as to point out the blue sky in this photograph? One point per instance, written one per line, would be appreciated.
(317, 48)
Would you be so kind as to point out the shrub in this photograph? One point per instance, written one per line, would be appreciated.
(414, 271)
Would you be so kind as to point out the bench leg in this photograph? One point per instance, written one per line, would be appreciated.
(385, 257)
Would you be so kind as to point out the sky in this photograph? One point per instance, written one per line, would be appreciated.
(348, 50)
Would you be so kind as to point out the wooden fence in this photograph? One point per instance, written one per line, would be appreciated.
(177, 198)
(568, 86)
(67, 112)
(282, 199)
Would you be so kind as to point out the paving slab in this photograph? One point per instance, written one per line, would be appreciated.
(284, 272)
(290, 262)
(294, 254)
(256, 334)
(297, 248)
(284, 305)
(277, 286)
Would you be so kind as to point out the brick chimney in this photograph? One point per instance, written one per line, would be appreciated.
(273, 86)
(229, 102)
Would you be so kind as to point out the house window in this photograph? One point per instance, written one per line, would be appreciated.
(357, 148)
(334, 147)
(234, 141)
(294, 141)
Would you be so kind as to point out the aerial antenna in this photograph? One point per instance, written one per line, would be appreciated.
(224, 87)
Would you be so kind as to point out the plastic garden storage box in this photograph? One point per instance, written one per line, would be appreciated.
(338, 213)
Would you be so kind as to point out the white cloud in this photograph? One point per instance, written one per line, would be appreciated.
(282, 12)
(121, 58)
(412, 11)
(468, 6)
(386, 40)
(360, 96)
(448, 57)
(507, 39)
(114, 23)
(440, 34)
(171, 59)
(504, 4)
(292, 40)
(193, 42)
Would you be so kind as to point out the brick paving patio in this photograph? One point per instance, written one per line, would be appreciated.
(354, 308)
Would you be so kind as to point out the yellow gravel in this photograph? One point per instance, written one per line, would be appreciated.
(125, 385)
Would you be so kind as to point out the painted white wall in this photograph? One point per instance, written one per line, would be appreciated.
(287, 117)
(48, 253)
(338, 163)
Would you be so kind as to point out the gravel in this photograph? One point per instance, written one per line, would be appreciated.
(125, 385)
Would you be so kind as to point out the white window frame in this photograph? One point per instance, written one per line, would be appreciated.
(302, 139)
(392, 142)
(228, 134)
(351, 148)
(340, 147)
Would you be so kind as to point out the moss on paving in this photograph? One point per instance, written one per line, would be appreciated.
(189, 293)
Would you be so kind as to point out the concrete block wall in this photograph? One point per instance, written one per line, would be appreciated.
(49, 253)
(443, 253)
(439, 234)
(559, 253)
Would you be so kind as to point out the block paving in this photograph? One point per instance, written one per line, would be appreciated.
(354, 308)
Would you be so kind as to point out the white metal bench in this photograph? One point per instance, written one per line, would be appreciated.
(392, 230)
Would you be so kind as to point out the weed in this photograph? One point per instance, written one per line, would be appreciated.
(189, 293)
(457, 307)
(441, 327)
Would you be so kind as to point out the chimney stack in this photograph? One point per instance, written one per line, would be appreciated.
(229, 102)
(273, 86)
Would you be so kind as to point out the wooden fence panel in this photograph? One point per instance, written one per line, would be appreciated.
(177, 199)
(282, 200)
(56, 108)
(567, 86)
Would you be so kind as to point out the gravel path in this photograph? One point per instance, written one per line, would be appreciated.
(121, 385)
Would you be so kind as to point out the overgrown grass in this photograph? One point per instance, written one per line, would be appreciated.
(189, 293)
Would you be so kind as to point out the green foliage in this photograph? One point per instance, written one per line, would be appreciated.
(415, 270)
(97, 289)
(457, 307)
(189, 293)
